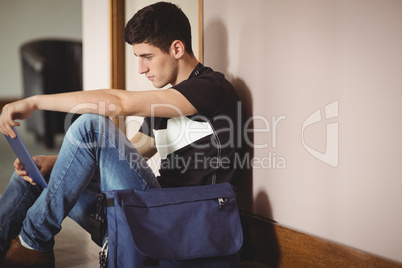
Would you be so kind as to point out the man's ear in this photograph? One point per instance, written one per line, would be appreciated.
(177, 48)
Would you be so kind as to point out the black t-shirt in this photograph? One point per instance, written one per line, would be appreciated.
(202, 148)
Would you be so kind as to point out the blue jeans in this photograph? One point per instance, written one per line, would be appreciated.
(92, 148)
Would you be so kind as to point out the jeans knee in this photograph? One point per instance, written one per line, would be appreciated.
(85, 126)
(88, 123)
(18, 185)
(15, 179)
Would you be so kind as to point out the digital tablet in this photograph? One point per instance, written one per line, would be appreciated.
(26, 160)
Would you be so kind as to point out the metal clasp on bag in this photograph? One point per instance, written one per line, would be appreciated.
(103, 254)
(222, 202)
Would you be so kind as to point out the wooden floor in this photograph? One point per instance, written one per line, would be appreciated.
(74, 247)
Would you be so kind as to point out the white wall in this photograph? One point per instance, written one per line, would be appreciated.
(295, 58)
(24, 20)
(96, 44)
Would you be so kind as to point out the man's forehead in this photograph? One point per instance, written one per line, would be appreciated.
(144, 49)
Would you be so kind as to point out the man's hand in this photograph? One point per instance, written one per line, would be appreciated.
(44, 163)
(13, 111)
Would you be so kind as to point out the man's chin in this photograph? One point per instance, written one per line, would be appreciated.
(159, 85)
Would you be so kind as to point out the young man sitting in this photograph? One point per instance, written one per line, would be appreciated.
(193, 126)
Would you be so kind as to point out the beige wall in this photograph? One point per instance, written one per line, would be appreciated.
(337, 176)
(24, 20)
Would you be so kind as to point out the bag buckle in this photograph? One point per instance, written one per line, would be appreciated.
(97, 222)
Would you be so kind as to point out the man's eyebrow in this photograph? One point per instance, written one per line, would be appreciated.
(144, 55)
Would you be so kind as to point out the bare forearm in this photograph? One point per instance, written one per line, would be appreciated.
(112, 102)
(103, 102)
(107, 102)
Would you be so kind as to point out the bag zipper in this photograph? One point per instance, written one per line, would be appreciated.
(222, 202)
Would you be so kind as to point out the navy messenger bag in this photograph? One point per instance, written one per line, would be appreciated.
(195, 226)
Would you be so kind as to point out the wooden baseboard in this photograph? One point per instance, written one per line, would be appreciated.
(279, 246)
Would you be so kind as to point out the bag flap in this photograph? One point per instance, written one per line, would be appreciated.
(184, 223)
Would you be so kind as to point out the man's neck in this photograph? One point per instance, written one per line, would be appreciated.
(186, 66)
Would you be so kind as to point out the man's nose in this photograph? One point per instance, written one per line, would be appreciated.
(142, 67)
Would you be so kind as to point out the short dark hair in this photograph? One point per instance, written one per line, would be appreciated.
(159, 25)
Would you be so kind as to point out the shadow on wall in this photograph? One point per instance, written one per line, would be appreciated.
(217, 58)
(264, 234)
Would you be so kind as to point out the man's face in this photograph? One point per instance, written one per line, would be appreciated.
(160, 68)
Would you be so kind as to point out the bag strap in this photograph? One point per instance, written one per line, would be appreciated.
(219, 152)
(195, 73)
(218, 149)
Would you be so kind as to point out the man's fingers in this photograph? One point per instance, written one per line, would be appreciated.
(28, 179)
(21, 173)
(19, 168)
(17, 164)
(8, 130)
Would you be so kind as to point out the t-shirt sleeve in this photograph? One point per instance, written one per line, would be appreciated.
(203, 93)
(146, 127)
